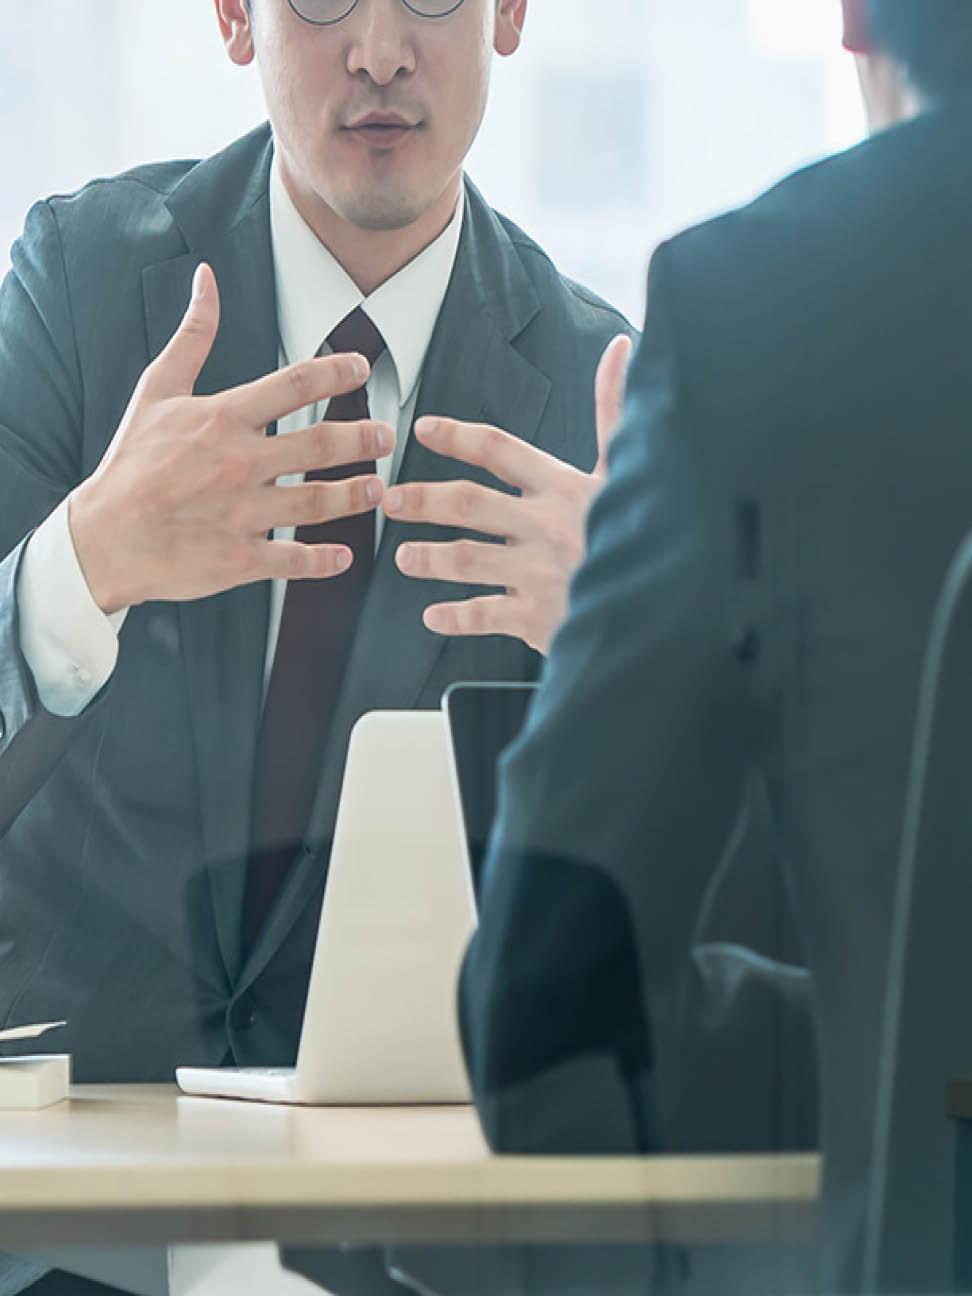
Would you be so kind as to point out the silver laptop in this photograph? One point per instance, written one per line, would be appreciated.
(380, 1024)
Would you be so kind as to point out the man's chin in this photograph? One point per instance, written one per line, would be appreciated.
(382, 212)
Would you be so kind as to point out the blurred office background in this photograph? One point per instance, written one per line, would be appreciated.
(618, 123)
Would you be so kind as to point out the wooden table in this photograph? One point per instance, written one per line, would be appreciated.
(145, 1166)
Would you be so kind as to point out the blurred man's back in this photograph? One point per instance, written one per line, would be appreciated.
(850, 425)
(794, 476)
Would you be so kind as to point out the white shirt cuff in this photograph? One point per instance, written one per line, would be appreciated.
(70, 645)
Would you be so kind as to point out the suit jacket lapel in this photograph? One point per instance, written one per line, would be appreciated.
(472, 372)
(224, 638)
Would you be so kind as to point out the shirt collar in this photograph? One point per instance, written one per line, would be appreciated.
(314, 293)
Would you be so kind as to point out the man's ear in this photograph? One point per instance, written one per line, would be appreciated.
(857, 27)
(510, 17)
(236, 27)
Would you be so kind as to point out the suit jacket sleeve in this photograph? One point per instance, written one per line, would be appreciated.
(617, 802)
(41, 425)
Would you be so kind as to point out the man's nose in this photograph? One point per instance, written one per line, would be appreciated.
(381, 41)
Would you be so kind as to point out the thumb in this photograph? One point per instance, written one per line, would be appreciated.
(176, 370)
(609, 395)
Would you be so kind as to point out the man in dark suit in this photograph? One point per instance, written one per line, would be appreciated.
(176, 690)
(785, 494)
(132, 902)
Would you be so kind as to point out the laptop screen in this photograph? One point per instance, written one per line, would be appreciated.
(483, 720)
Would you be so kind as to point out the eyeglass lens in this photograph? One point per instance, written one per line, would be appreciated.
(324, 12)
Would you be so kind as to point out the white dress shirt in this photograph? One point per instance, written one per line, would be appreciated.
(70, 645)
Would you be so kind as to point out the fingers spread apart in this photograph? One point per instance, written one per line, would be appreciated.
(505, 456)
(467, 562)
(312, 503)
(494, 614)
(323, 447)
(297, 387)
(460, 504)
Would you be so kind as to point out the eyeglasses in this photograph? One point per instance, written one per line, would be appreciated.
(324, 13)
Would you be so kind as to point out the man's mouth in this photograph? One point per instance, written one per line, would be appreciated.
(381, 130)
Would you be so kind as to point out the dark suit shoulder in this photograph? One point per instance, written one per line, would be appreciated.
(158, 178)
(136, 213)
(832, 215)
(114, 226)
(107, 233)
(111, 210)
(784, 304)
(584, 308)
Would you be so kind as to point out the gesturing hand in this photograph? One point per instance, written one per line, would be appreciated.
(181, 505)
(540, 534)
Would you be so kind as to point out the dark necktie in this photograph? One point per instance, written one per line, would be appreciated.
(317, 629)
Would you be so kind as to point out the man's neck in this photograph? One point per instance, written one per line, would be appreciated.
(371, 257)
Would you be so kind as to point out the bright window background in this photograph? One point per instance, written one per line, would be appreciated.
(604, 135)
